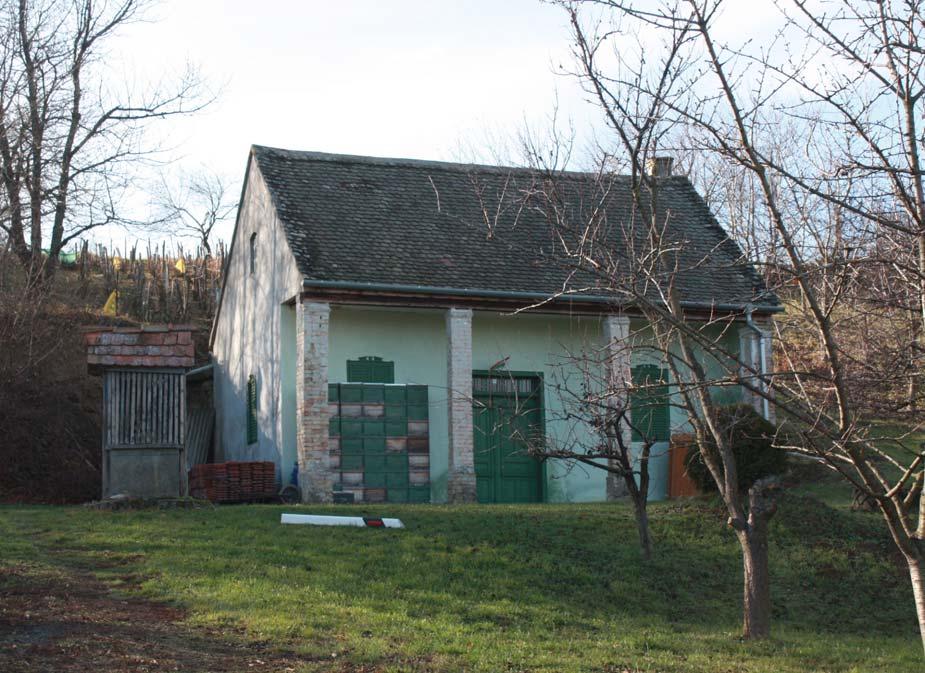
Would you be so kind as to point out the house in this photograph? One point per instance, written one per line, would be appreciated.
(369, 303)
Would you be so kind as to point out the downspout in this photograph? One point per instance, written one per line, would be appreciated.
(762, 358)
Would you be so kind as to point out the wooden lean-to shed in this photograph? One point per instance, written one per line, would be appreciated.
(144, 407)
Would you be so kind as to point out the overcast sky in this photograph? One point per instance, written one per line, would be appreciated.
(399, 78)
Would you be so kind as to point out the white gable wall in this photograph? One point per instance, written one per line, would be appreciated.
(250, 330)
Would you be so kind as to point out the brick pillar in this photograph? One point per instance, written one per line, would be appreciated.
(316, 480)
(461, 480)
(618, 376)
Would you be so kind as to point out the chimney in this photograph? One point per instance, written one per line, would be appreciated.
(660, 167)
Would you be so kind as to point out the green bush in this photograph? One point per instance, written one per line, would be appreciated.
(751, 438)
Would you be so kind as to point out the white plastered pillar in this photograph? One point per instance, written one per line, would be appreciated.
(461, 479)
(756, 354)
(618, 377)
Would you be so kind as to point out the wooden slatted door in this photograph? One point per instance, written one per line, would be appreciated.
(144, 432)
(507, 416)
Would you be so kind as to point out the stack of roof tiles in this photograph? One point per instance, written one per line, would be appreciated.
(233, 481)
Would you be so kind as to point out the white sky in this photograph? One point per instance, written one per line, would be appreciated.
(401, 78)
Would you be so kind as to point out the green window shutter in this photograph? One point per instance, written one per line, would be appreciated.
(252, 409)
(649, 406)
(370, 369)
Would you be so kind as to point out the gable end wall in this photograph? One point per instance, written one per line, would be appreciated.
(250, 330)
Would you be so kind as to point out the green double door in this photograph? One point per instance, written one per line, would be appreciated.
(504, 425)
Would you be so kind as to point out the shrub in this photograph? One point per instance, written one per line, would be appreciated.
(751, 438)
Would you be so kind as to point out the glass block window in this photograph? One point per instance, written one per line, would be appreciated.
(379, 441)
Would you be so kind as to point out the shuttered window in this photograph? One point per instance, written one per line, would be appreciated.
(370, 369)
(252, 409)
(649, 404)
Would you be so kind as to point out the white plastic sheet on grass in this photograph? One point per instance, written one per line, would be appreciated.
(327, 520)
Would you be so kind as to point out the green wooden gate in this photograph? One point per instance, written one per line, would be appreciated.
(507, 416)
(379, 439)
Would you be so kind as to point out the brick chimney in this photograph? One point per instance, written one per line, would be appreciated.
(660, 167)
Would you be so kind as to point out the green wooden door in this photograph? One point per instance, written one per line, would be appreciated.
(503, 426)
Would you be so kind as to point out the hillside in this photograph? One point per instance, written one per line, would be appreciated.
(49, 404)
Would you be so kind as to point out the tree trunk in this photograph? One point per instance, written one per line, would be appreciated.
(756, 608)
(753, 538)
(50, 266)
(918, 592)
(642, 526)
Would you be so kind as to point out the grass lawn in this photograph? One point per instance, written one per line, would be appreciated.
(502, 588)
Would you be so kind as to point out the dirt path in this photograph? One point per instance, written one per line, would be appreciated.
(68, 622)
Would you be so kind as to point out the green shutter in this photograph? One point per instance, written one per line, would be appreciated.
(252, 409)
(649, 407)
(370, 369)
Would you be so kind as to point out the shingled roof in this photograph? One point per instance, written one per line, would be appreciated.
(405, 224)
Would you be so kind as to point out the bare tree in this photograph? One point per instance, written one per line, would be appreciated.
(193, 204)
(67, 136)
(618, 410)
(638, 257)
(644, 270)
(844, 219)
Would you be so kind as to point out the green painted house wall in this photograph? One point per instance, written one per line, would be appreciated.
(415, 340)
(729, 340)
(678, 420)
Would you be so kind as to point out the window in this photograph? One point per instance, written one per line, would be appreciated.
(253, 253)
(252, 409)
(370, 369)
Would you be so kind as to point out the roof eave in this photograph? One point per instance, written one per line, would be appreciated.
(357, 286)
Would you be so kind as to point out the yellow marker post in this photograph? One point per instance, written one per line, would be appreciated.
(109, 308)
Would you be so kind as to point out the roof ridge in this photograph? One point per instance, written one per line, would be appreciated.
(456, 167)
